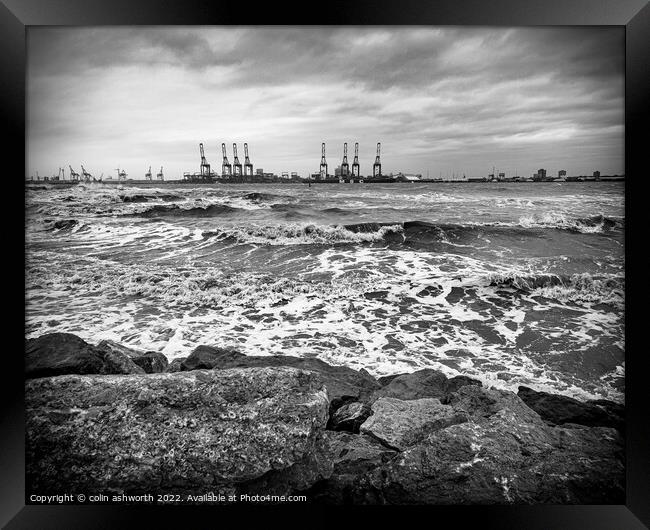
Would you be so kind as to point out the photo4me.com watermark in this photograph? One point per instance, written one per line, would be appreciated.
(148, 498)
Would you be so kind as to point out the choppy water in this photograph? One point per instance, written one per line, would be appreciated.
(519, 283)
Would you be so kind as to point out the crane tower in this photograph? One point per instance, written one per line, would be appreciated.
(147, 175)
(73, 174)
(205, 167)
(226, 167)
(236, 164)
(345, 167)
(355, 162)
(376, 167)
(323, 163)
(160, 175)
(87, 176)
(248, 167)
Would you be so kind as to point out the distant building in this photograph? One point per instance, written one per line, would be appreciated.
(561, 173)
(501, 176)
(338, 172)
(259, 171)
(491, 176)
(597, 175)
(541, 173)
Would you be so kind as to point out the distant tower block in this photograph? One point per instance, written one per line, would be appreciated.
(147, 175)
(323, 163)
(345, 167)
(226, 167)
(205, 167)
(355, 163)
(248, 167)
(236, 164)
(160, 175)
(376, 167)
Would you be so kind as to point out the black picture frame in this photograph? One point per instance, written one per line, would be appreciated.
(16, 15)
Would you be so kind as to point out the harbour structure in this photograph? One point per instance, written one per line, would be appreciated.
(147, 175)
(376, 167)
(121, 175)
(86, 176)
(355, 162)
(323, 163)
(248, 167)
(236, 164)
(345, 167)
(160, 175)
(226, 167)
(204, 166)
(73, 174)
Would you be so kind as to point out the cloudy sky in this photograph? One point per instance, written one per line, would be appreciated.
(440, 100)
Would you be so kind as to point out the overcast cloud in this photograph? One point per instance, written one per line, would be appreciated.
(440, 100)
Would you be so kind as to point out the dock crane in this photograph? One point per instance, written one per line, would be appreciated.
(355, 163)
(73, 174)
(121, 175)
(236, 164)
(323, 163)
(86, 176)
(147, 175)
(345, 167)
(376, 167)
(205, 167)
(226, 167)
(160, 175)
(248, 167)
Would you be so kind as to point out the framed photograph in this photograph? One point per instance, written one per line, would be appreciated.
(380, 258)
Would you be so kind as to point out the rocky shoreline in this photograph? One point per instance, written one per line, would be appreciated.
(107, 419)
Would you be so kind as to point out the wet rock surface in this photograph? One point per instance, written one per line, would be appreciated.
(170, 432)
(230, 423)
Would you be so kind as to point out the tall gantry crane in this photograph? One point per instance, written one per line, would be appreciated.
(345, 167)
(236, 164)
(376, 167)
(205, 167)
(121, 175)
(226, 167)
(355, 162)
(86, 176)
(160, 175)
(73, 174)
(248, 167)
(147, 175)
(323, 162)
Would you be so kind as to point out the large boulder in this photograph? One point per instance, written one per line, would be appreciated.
(559, 409)
(398, 424)
(349, 417)
(118, 359)
(504, 454)
(184, 432)
(353, 456)
(343, 383)
(176, 365)
(61, 353)
(426, 383)
(207, 357)
(152, 362)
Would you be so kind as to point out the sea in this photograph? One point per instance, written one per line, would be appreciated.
(509, 283)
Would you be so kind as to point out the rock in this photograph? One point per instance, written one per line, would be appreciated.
(349, 417)
(343, 383)
(426, 383)
(152, 362)
(503, 457)
(352, 456)
(175, 365)
(559, 409)
(185, 432)
(385, 379)
(117, 359)
(481, 403)
(203, 357)
(399, 424)
(61, 353)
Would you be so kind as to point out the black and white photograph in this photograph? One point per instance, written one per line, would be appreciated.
(325, 265)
